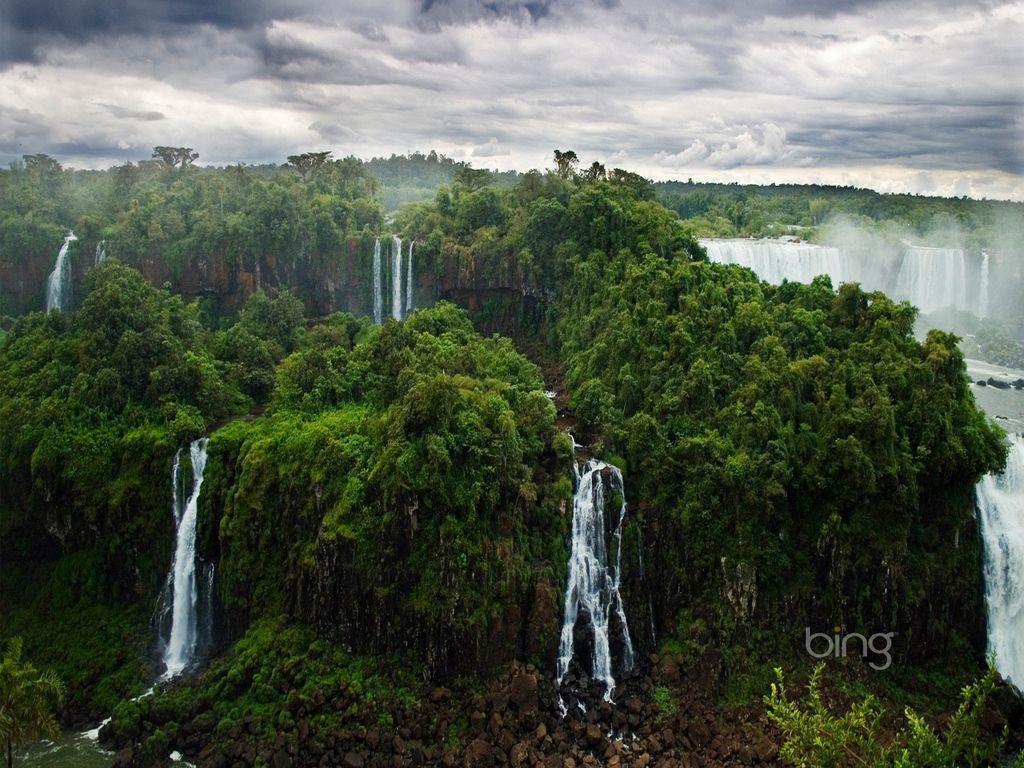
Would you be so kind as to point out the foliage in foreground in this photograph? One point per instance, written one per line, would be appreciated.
(27, 700)
(814, 736)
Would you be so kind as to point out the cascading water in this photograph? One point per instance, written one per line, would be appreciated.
(181, 643)
(933, 278)
(58, 284)
(408, 280)
(378, 290)
(983, 286)
(396, 277)
(778, 260)
(592, 592)
(101, 251)
(1001, 511)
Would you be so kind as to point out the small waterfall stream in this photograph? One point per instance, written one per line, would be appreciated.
(983, 294)
(408, 280)
(396, 277)
(592, 592)
(181, 643)
(58, 284)
(378, 289)
(1000, 501)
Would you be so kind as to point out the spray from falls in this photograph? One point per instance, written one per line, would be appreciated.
(58, 284)
(592, 592)
(180, 646)
(933, 278)
(408, 280)
(378, 290)
(1001, 512)
(396, 277)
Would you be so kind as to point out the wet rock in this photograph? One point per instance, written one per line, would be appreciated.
(477, 751)
(523, 691)
(998, 384)
(352, 760)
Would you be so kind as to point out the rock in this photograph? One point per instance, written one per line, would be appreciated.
(352, 760)
(981, 383)
(1018, 384)
(477, 751)
(541, 732)
(765, 750)
(523, 691)
(998, 384)
(519, 754)
(124, 758)
(593, 734)
(439, 695)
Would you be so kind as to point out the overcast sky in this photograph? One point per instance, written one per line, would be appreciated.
(910, 96)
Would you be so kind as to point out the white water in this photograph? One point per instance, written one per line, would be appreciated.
(593, 584)
(983, 294)
(181, 644)
(778, 260)
(378, 291)
(1001, 512)
(58, 284)
(101, 251)
(396, 277)
(408, 280)
(933, 278)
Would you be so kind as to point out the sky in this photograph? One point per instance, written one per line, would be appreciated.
(920, 96)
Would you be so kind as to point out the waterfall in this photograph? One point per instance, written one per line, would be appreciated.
(983, 286)
(1001, 511)
(58, 284)
(378, 293)
(777, 260)
(408, 280)
(181, 644)
(592, 591)
(932, 278)
(101, 251)
(396, 277)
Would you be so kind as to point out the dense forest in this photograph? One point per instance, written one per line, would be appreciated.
(387, 507)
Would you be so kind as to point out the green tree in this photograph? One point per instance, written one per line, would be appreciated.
(566, 163)
(27, 700)
(308, 163)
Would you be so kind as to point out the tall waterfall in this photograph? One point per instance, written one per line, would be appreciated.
(592, 591)
(58, 284)
(378, 290)
(983, 296)
(396, 277)
(181, 644)
(101, 251)
(408, 280)
(933, 278)
(1001, 512)
(778, 260)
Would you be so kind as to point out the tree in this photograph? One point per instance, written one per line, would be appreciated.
(472, 178)
(27, 700)
(175, 156)
(566, 163)
(595, 172)
(41, 164)
(308, 163)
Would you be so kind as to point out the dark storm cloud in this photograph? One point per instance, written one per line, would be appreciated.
(28, 25)
(865, 86)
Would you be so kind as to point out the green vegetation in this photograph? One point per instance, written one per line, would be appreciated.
(27, 700)
(736, 210)
(815, 736)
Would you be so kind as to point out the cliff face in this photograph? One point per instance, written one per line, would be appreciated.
(498, 295)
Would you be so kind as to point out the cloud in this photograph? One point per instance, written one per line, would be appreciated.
(868, 91)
